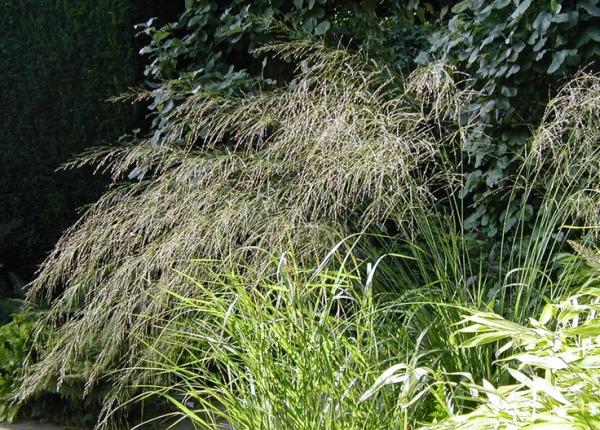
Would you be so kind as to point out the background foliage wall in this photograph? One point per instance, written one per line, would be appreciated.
(60, 60)
(517, 54)
(209, 46)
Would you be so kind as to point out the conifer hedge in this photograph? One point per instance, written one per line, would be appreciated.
(59, 62)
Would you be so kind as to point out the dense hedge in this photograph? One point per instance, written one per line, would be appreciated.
(60, 61)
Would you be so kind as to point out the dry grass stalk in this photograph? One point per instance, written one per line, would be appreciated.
(345, 146)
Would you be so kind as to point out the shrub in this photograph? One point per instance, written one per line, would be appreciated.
(347, 147)
(66, 405)
(441, 274)
(209, 47)
(296, 352)
(554, 362)
(14, 342)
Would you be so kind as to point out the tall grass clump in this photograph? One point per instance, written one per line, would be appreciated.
(295, 352)
(515, 372)
(319, 349)
(552, 362)
(348, 145)
(446, 269)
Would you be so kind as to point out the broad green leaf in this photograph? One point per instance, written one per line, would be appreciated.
(541, 385)
(589, 362)
(553, 426)
(513, 69)
(540, 44)
(493, 177)
(473, 56)
(521, 377)
(309, 23)
(567, 314)
(520, 10)
(461, 7)
(547, 313)
(322, 28)
(570, 17)
(501, 4)
(593, 33)
(545, 362)
(588, 330)
(542, 22)
(484, 339)
(508, 91)
(558, 59)
(471, 181)
(590, 6)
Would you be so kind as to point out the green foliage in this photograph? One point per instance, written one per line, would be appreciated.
(517, 54)
(288, 353)
(296, 352)
(552, 363)
(234, 367)
(60, 61)
(515, 51)
(238, 168)
(209, 47)
(15, 339)
(344, 149)
(66, 406)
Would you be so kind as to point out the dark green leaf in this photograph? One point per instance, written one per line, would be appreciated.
(514, 69)
(540, 44)
(309, 24)
(593, 33)
(520, 10)
(473, 56)
(571, 17)
(590, 6)
(508, 91)
(322, 28)
(472, 180)
(558, 59)
(461, 7)
(532, 39)
(493, 177)
(500, 4)
(542, 22)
